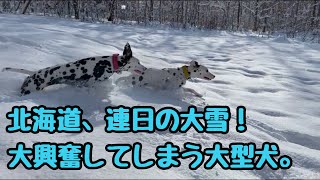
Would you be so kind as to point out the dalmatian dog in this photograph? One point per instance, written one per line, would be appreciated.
(84, 72)
(169, 78)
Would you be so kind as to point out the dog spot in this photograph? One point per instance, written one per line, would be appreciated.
(27, 92)
(122, 63)
(140, 78)
(86, 59)
(82, 68)
(83, 61)
(93, 59)
(174, 74)
(38, 88)
(84, 77)
(68, 65)
(105, 57)
(77, 65)
(72, 70)
(46, 73)
(133, 82)
(64, 73)
(100, 67)
(84, 71)
(54, 81)
(71, 77)
(36, 82)
(54, 69)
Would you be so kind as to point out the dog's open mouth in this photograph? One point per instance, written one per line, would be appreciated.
(206, 78)
(137, 71)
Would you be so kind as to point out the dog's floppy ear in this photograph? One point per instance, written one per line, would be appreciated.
(127, 53)
(194, 63)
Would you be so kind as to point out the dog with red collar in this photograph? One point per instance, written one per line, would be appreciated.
(84, 72)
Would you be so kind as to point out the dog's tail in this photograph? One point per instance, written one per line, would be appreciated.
(23, 71)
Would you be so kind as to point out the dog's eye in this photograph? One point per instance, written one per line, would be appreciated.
(207, 70)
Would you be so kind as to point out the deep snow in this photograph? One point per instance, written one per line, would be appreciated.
(276, 79)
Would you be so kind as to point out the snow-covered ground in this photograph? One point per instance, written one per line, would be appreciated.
(276, 79)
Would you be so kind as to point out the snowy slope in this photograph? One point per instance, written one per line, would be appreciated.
(276, 79)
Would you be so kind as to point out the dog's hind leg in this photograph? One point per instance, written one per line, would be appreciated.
(29, 86)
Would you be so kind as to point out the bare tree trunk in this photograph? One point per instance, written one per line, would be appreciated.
(26, 5)
(145, 11)
(76, 9)
(111, 10)
(255, 25)
(18, 7)
(184, 14)
(313, 18)
(69, 10)
(227, 16)
(294, 26)
(138, 16)
(238, 15)
(151, 11)
(160, 11)
(198, 11)
(319, 10)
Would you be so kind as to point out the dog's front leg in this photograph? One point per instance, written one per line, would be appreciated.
(192, 91)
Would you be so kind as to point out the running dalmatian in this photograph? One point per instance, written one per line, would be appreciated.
(169, 78)
(84, 72)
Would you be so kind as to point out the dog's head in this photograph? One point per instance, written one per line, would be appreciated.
(199, 71)
(131, 63)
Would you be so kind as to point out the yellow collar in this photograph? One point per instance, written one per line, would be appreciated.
(186, 72)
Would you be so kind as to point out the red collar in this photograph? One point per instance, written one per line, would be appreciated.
(115, 62)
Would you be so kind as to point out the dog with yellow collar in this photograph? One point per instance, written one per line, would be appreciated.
(169, 78)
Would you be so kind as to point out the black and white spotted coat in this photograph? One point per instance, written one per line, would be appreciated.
(168, 78)
(84, 72)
